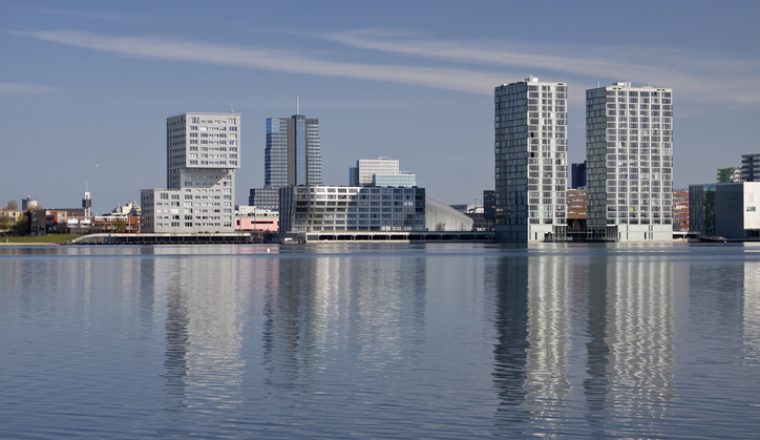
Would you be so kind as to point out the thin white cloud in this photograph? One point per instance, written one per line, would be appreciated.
(9, 88)
(698, 79)
(160, 48)
(701, 78)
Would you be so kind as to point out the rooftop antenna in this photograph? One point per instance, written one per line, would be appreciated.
(298, 105)
(232, 109)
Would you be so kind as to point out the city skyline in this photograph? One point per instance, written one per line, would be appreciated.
(424, 88)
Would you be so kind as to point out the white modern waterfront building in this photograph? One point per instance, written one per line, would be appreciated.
(202, 154)
(349, 208)
(531, 160)
(629, 168)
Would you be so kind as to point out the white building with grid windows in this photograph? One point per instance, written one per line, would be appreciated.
(202, 154)
(531, 160)
(382, 171)
(629, 168)
(346, 208)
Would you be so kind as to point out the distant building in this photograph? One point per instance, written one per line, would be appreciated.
(87, 204)
(473, 211)
(531, 160)
(737, 211)
(264, 198)
(629, 174)
(28, 203)
(729, 175)
(751, 167)
(727, 210)
(681, 210)
(203, 152)
(55, 221)
(380, 172)
(702, 209)
(252, 218)
(345, 208)
(15, 214)
(577, 214)
(292, 157)
(122, 219)
(489, 203)
(578, 175)
(442, 217)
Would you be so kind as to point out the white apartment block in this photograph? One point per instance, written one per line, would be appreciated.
(202, 154)
(629, 170)
(345, 208)
(531, 160)
(382, 171)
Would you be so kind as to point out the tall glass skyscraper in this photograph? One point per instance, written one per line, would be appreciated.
(629, 162)
(292, 157)
(531, 160)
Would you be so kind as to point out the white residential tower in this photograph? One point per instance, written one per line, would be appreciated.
(531, 160)
(202, 154)
(629, 168)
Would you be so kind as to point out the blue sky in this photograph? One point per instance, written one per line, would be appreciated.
(85, 87)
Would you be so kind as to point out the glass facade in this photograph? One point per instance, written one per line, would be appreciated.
(276, 153)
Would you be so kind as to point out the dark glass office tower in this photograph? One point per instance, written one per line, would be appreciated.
(292, 157)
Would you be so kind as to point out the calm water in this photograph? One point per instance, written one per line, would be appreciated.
(437, 341)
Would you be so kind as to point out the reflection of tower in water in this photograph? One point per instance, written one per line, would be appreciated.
(595, 385)
(640, 336)
(510, 352)
(203, 329)
(530, 357)
(289, 315)
(325, 302)
(548, 334)
(751, 315)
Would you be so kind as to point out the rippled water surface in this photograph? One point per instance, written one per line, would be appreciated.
(436, 341)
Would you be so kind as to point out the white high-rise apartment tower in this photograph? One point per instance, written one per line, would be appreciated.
(202, 154)
(531, 160)
(629, 168)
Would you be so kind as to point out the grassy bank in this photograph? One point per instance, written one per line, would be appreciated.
(41, 239)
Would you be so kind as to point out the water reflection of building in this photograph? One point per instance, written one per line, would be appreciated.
(289, 316)
(328, 303)
(639, 333)
(203, 358)
(531, 354)
(548, 331)
(596, 382)
(511, 349)
(751, 315)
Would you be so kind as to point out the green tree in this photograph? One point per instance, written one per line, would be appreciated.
(11, 205)
(6, 223)
(21, 226)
